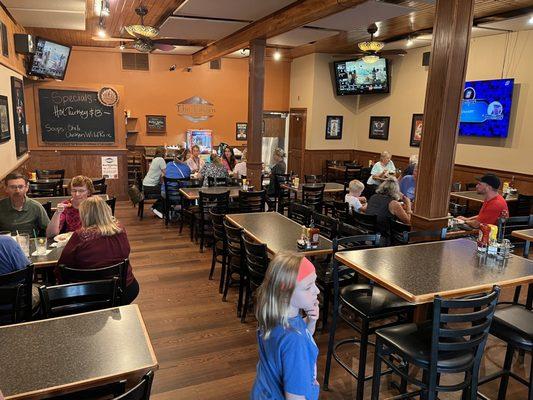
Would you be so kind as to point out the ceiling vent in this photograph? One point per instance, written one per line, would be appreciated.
(215, 64)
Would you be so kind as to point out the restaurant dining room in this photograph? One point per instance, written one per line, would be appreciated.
(266, 199)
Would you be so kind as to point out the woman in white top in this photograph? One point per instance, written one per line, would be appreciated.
(381, 170)
(354, 199)
(240, 167)
(152, 180)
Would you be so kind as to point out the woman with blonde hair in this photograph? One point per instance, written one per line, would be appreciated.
(240, 167)
(287, 351)
(100, 242)
(67, 216)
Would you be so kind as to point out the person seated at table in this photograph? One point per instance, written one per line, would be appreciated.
(240, 167)
(17, 211)
(228, 159)
(100, 242)
(355, 201)
(388, 202)
(195, 163)
(152, 180)
(413, 161)
(494, 205)
(67, 215)
(408, 184)
(382, 169)
(278, 168)
(214, 169)
(12, 257)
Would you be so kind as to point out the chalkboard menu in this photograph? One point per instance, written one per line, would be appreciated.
(75, 116)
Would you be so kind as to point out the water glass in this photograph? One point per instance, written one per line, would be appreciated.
(40, 246)
(23, 239)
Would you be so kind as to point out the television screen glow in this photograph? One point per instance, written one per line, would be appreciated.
(357, 77)
(50, 59)
(486, 108)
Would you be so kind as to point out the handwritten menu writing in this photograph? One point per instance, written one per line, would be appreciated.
(75, 116)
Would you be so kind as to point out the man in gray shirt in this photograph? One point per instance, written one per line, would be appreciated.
(18, 212)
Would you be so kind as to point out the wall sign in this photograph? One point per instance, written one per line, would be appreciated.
(5, 132)
(19, 116)
(156, 123)
(241, 130)
(75, 116)
(334, 127)
(379, 128)
(417, 125)
(108, 96)
(196, 109)
(110, 167)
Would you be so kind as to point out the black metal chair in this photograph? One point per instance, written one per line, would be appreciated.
(220, 246)
(451, 343)
(48, 208)
(366, 302)
(50, 173)
(507, 225)
(329, 176)
(313, 196)
(141, 391)
(172, 195)
(470, 186)
(300, 213)
(314, 179)
(456, 209)
(351, 172)
(112, 203)
(209, 201)
(212, 181)
(100, 187)
(70, 274)
(423, 236)
(256, 259)
(252, 201)
(340, 210)
(397, 230)
(16, 296)
(368, 224)
(283, 197)
(523, 205)
(110, 390)
(75, 298)
(235, 263)
(328, 226)
(44, 189)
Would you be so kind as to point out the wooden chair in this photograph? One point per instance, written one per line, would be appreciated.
(424, 236)
(252, 201)
(300, 213)
(112, 203)
(212, 181)
(397, 230)
(327, 173)
(313, 196)
(44, 189)
(256, 259)
(208, 201)
(100, 187)
(523, 206)
(48, 208)
(366, 223)
(328, 226)
(314, 179)
(283, 196)
(16, 296)
(75, 298)
(50, 173)
(220, 246)
(235, 263)
(340, 210)
(351, 172)
(141, 391)
(172, 195)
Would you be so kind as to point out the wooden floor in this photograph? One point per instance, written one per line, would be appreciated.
(204, 352)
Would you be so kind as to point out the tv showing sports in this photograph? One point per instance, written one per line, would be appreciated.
(49, 60)
(357, 77)
(486, 108)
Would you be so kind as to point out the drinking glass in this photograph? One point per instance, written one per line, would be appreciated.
(23, 239)
(40, 246)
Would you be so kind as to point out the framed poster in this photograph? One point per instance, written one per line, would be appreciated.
(416, 130)
(241, 130)
(156, 124)
(379, 128)
(19, 116)
(5, 132)
(334, 127)
(5, 43)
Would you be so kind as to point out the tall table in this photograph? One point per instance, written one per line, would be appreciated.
(479, 198)
(194, 193)
(278, 232)
(527, 235)
(66, 354)
(419, 272)
(48, 260)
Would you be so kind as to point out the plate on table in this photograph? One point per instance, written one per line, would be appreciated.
(63, 238)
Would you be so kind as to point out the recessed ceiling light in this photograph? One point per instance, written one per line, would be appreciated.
(277, 55)
(410, 42)
(530, 20)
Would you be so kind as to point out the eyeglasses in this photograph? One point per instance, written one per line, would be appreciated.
(81, 191)
(15, 187)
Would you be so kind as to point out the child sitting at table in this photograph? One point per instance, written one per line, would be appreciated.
(287, 351)
(353, 197)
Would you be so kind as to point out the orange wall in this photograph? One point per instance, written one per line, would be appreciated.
(159, 90)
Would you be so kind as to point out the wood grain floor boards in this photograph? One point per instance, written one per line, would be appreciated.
(204, 351)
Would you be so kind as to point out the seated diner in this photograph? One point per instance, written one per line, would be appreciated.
(213, 169)
(382, 169)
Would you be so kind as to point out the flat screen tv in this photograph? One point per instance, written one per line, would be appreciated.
(357, 77)
(49, 60)
(486, 108)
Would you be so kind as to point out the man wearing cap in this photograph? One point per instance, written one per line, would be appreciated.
(494, 205)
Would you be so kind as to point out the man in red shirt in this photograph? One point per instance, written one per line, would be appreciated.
(494, 205)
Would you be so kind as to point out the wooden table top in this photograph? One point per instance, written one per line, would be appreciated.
(342, 168)
(59, 199)
(60, 355)
(526, 234)
(66, 181)
(277, 231)
(331, 187)
(47, 260)
(194, 193)
(474, 196)
(418, 272)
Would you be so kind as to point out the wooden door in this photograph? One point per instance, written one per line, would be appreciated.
(297, 124)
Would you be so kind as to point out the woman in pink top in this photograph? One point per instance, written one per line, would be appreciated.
(228, 159)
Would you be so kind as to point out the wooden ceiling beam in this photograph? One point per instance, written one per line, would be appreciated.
(291, 17)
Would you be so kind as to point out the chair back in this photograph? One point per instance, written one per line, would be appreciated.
(119, 271)
(280, 179)
(350, 243)
(194, 183)
(99, 181)
(397, 230)
(340, 210)
(328, 226)
(216, 181)
(424, 236)
(208, 201)
(234, 240)
(470, 186)
(366, 223)
(75, 298)
(346, 230)
(314, 179)
(462, 325)
(50, 173)
(507, 225)
(172, 189)
(48, 208)
(456, 209)
(16, 296)
(523, 206)
(44, 189)
(256, 256)
(112, 203)
(100, 188)
(252, 201)
(141, 391)
(300, 213)
(365, 174)
(313, 196)
(218, 225)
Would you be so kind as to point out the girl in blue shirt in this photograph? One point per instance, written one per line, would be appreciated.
(287, 351)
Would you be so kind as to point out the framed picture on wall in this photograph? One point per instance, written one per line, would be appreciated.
(379, 128)
(156, 124)
(5, 132)
(5, 43)
(334, 127)
(19, 116)
(416, 130)
(241, 130)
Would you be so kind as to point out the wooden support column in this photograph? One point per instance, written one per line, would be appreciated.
(256, 88)
(444, 91)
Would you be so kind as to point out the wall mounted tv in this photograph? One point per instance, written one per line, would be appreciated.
(357, 77)
(49, 60)
(486, 108)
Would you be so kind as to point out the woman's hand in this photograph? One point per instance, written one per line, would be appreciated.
(60, 208)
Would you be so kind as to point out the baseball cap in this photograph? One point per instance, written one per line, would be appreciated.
(491, 180)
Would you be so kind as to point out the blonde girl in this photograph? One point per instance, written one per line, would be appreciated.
(287, 351)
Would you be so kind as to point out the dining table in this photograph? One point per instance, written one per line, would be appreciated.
(194, 193)
(329, 187)
(278, 232)
(527, 235)
(50, 259)
(472, 195)
(63, 355)
(449, 268)
(59, 199)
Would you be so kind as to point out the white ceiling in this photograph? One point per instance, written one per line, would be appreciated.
(61, 14)
(512, 24)
(300, 36)
(231, 9)
(198, 29)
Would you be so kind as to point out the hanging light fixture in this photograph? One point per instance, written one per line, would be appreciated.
(144, 31)
(143, 45)
(370, 59)
(101, 28)
(371, 45)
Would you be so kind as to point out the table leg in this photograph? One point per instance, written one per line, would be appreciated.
(526, 249)
(421, 312)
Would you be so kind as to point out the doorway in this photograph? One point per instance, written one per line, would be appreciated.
(297, 126)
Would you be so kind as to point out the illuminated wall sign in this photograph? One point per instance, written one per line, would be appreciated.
(196, 109)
